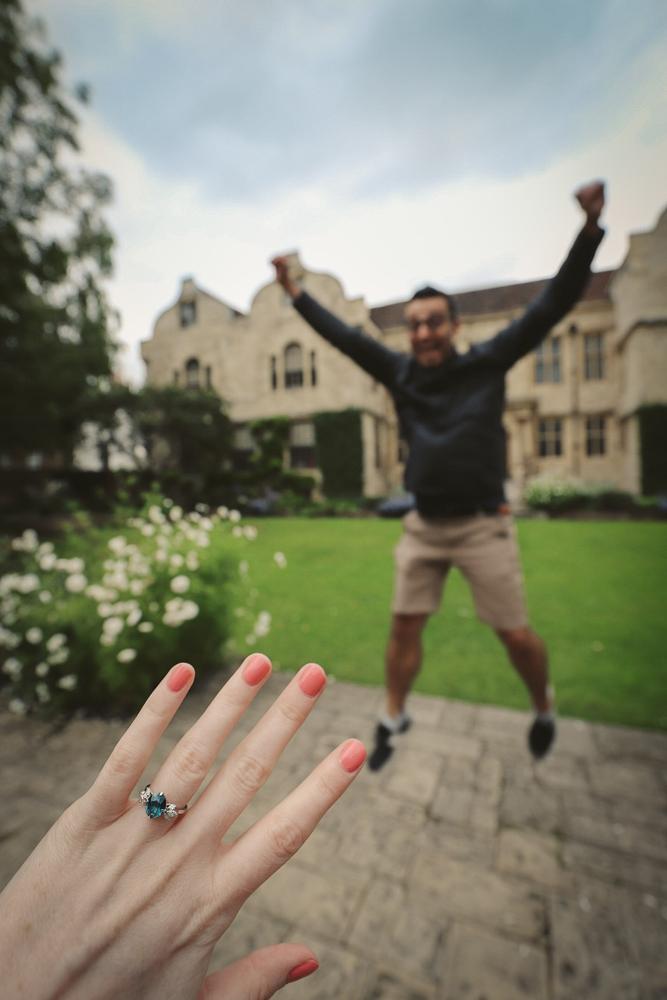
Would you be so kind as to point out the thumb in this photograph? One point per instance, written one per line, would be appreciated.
(260, 974)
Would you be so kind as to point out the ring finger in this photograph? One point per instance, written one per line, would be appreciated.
(252, 761)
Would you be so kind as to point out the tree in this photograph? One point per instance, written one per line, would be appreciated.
(55, 250)
(182, 429)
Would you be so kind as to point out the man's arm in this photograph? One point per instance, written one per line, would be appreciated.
(561, 294)
(378, 360)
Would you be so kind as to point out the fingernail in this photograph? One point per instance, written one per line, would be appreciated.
(256, 670)
(352, 755)
(179, 677)
(312, 679)
(303, 970)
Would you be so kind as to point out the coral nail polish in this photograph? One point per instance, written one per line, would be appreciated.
(179, 677)
(255, 670)
(312, 679)
(303, 970)
(352, 756)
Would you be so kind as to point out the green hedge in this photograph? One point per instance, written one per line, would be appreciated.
(652, 437)
(340, 452)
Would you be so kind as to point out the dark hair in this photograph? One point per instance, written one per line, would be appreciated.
(429, 292)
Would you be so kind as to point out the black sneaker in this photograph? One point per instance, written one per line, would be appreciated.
(383, 748)
(541, 735)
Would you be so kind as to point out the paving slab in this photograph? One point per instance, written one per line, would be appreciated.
(460, 871)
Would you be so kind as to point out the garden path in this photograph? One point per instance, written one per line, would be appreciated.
(460, 871)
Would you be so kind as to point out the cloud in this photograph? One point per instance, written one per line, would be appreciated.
(250, 101)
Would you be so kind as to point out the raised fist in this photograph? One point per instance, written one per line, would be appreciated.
(591, 199)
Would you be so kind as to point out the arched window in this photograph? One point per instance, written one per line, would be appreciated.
(293, 366)
(192, 373)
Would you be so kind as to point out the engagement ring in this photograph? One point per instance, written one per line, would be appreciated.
(157, 805)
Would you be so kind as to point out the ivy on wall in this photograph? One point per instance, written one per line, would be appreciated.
(340, 452)
(653, 450)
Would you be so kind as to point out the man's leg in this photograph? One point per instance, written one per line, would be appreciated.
(528, 655)
(403, 660)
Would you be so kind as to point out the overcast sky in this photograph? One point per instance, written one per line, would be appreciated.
(392, 143)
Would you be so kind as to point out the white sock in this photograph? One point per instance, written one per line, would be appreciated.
(393, 722)
(551, 711)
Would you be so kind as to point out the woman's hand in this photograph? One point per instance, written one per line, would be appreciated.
(115, 904)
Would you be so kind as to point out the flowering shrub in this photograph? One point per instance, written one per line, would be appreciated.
(97, 627)
(560, 495)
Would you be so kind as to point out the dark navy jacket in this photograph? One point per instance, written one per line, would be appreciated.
(451, 415)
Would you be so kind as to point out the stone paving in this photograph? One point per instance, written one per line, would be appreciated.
(461, 871)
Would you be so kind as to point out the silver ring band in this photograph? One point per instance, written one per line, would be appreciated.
(157, 805)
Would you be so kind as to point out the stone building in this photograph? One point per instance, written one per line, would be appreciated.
(573, 406)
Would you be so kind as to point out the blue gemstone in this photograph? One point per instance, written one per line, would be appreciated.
(156, 805)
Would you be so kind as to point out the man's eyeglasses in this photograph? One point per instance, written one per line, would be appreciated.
(433, 322)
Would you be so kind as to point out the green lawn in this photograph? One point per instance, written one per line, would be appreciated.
(596, 593)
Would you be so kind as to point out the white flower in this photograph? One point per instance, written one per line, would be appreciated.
(9, 639)
(106, 639)
(27, 542)
(192, 562)
(56, 641)
(244, 567)
(180, 584)
(45, 548)
(34, 635)
(223, 512)
(263, 623)
(12, 667)
(47, 561)
(177, 611)
(42, 669)
(137, 587)
(146, 626)
(176, 513)
(234, 515)
(42, 692)
(68, 682)
(60, 656)
(250, 532)
(279, 559)
(18, 707)
(134, 617)
(76, 583)
(126, 655)
(148, 530)
(237, 532)
(26, 584)
(161, 556)
(176, 561)
(45, 596)
(117, 545)
(112, 626)
(155, 514)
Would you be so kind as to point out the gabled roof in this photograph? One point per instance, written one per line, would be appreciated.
(502, 298)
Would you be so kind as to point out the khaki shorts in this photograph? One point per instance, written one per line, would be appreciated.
(484, 548)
